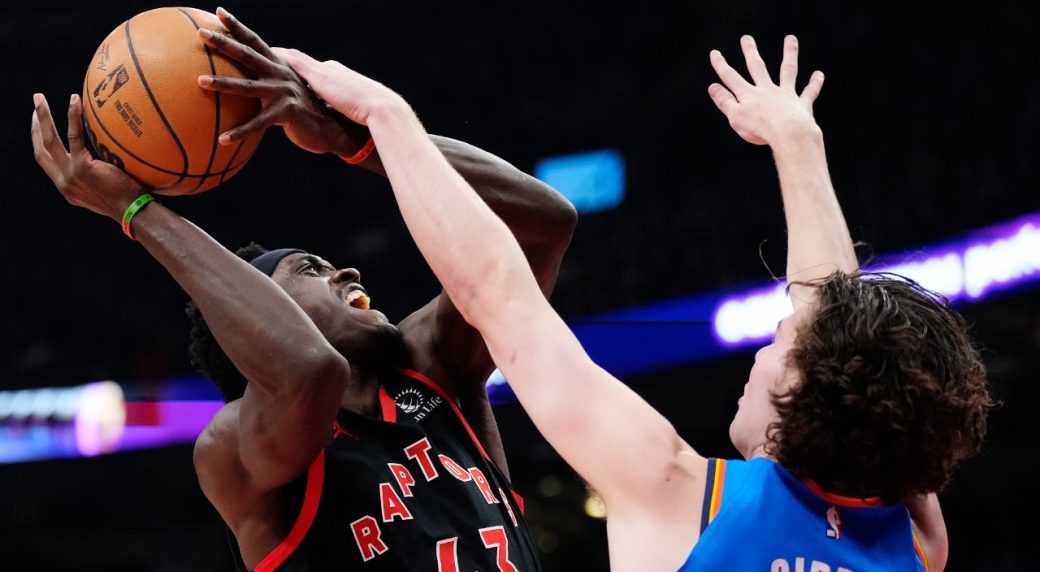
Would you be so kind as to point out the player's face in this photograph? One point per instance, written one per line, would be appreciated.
(338, 305)
(769, 375)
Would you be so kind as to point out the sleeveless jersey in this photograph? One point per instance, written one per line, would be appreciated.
(413, 491)
(758, 518)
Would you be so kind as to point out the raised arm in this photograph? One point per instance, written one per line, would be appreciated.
(296, 379)
(484, 270)
(539, 217)
(819, 243)
(761, 112)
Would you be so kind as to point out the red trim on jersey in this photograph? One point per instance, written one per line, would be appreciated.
(433, 385)
(311, 498)
(388, 405)
(519, 501)
(843, 501)
(440, 391)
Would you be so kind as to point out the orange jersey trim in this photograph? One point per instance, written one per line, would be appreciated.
(920, 552)
(716, 489)
(843, 501)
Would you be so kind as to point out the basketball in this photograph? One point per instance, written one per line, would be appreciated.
(145, 112)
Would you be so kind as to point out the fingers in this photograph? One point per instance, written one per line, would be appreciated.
(265, 119)
(301, 63)
(292, 55)
(43, 159)
(789, 65)
(729, 76)
(48, 148)
(812, 90)
(723, 99)
(236, 86)
(756, 67)
(76, 144)
(237, 51)
(244, 34)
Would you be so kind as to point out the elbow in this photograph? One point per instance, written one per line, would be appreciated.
(557, 221)
(321, 371)
(564, 215)
(331, 368)
(560, 215)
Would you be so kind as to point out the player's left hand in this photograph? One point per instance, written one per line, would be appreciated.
(83, 180)
(284, 96)
(762, 111)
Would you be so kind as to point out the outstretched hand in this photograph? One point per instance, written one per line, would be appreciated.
(81, 179)
(284, 96)
(762, 110)
(349, 92)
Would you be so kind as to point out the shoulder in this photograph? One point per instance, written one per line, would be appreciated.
(737, 476)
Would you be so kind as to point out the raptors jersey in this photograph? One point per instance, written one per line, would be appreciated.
(759, 518)
(413, 491)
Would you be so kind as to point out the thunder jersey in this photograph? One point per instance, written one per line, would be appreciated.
(758, 518)
(413, 491)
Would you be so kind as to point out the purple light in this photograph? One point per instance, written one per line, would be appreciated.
(989, 260)
(942, 273)
(159, 423)
(750, 317)
(1004, 262)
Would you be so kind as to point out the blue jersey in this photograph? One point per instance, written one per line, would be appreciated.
(758, 518)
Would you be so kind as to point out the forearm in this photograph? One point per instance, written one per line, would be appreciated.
(818, 238)
(537, 215)
(540, 218)
(465, 244)
(266, 335)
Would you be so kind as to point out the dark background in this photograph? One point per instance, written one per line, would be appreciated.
(930, 114)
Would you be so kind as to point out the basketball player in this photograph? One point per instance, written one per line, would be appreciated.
(850, 422)
(346, 443)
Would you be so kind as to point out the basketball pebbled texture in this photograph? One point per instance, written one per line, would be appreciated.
(145, 112)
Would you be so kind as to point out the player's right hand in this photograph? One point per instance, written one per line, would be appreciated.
(348, 92)
(285, 99)
(761, 111)
(81, 179)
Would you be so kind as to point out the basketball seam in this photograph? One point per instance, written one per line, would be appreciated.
(151, 96)
(156, 167)
(227, 169)
(216, 110)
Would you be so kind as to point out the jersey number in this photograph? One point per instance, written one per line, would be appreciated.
(493, 537)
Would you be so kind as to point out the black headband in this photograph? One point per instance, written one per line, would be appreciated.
(268, 261)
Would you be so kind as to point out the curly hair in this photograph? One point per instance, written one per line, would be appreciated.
(891, 392)
(206, 353)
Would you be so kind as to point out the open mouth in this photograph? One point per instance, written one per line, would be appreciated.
(358, 299)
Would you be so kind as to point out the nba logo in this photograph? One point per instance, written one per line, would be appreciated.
(834, 522)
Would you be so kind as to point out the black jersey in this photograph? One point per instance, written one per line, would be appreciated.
(413, 491)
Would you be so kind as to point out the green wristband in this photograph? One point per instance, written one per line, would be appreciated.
(132, 210)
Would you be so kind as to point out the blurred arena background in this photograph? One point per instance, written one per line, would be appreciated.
(931, 117)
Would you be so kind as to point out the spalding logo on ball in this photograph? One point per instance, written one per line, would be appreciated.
(145, 112)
